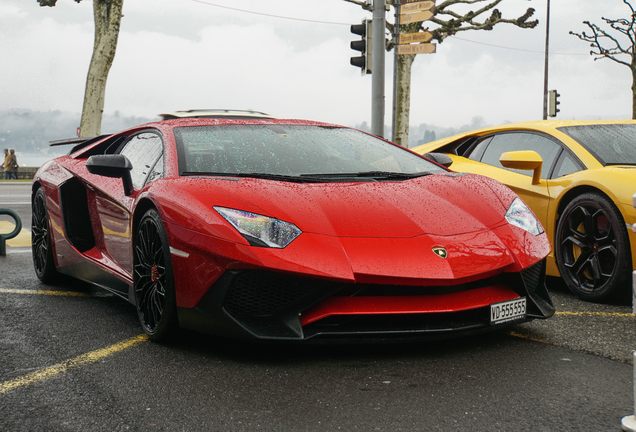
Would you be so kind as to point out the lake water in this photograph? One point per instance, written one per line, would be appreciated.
(38, 159)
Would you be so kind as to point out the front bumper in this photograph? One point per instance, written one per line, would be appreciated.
(279, 306)
(629, 215)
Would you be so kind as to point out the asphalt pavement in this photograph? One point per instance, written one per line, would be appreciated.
(72, 358)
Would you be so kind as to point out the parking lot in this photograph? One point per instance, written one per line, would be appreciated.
(72, 357)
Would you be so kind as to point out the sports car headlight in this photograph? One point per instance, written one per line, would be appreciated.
(520, 216)
(260, 230)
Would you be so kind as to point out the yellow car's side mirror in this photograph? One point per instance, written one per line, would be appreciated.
(524, 160)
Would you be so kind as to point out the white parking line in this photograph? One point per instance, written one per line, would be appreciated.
(15, 202)
(11, 251)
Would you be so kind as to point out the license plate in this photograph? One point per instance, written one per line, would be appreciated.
(508, 311)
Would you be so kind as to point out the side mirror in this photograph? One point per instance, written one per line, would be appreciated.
(114, 166)
(524, 160)
(440, 158)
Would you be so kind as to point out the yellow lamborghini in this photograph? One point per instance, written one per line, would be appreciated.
(579, 179)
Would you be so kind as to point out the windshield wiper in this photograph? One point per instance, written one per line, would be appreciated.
(377, 175)
(265, 176)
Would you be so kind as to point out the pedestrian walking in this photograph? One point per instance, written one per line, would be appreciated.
(13, 163)
(5, 164)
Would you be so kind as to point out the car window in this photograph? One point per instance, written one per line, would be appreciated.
(478, 150)
(566, 165)
(548, 149)
(157, 171)
(612, 144)
(143, 151)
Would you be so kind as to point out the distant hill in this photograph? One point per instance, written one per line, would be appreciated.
(29, 131)
(425, 132)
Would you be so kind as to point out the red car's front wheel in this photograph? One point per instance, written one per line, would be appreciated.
(43, 263)
(153, 279)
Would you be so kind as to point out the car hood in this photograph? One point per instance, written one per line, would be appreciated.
(441, 204)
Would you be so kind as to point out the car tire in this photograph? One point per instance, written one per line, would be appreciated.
(153, 280)
(592, 249)
(41, 245)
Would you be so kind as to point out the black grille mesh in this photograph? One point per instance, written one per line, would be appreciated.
(261, 295)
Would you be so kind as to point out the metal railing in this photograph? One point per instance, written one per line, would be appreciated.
(12, 234)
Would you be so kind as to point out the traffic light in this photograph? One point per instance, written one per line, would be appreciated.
(363, 45)
(553, 103)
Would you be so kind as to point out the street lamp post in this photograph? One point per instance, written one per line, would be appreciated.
(377, 68)
(545, 69)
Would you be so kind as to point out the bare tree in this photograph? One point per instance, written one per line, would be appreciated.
(617, 44)
(448, 20)
(107, 16)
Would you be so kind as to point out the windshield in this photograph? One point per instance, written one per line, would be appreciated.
(610, 144)
(293, 151)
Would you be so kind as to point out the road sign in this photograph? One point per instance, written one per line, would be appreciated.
(426, 48)
(415, 17)
(417, 7)
(407, 38)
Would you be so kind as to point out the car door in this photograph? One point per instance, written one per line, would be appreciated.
(145, 152)
(488, 151)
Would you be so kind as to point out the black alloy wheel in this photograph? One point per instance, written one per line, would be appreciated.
(43, 263)
(592, 248)
(153, 281)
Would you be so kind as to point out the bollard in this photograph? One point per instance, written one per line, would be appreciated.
(9, 236)
(629, 422)
(634, 274)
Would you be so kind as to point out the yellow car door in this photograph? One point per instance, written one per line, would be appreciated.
(484, 159)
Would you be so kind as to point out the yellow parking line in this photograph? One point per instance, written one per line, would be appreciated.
(23, 239)
(597, 314)
(43, 292)
(60, 368)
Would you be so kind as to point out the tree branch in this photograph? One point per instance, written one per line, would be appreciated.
(448, 3)
(51, 3)
(602, 51)
(468, 22)
(363, 4)
(608, 46)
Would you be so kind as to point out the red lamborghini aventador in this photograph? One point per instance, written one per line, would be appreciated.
(286, 229)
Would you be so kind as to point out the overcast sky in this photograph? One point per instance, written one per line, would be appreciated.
(180, 54)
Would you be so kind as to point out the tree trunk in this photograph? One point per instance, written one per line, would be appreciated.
(633, 68)
(107, 15)
(402, 103)
(403, 100)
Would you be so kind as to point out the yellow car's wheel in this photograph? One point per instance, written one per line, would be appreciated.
(592, 248)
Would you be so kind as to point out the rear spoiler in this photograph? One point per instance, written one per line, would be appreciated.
(79, 143)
